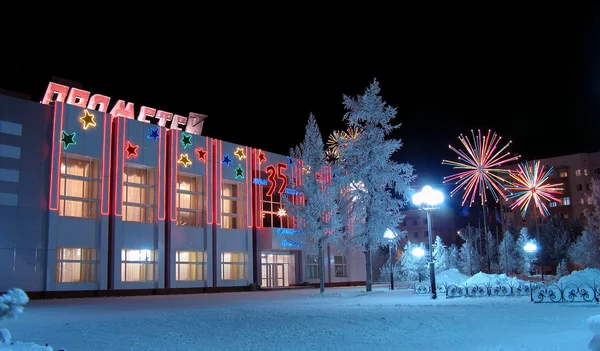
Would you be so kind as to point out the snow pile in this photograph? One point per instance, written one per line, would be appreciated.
(594, 324)
(450, 276)
(19, 346)
(493, 279)
(587, 276)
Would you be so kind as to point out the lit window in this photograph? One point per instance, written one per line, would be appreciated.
(566, 201)
(189, 265)
(578, 172)
(553, 204)
(270, 206)
(79, 179)
(585, 172)
(137, 265)
(340, 267)
(138, 194)
(312, 267)
(563, 174)
(75, 265)
(190, 200)
(582, 201)
(232, 202)
(233, 265)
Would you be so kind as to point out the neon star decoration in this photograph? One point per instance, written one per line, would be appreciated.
(153, 134)
(281, 212)
(201, 154)
(67, 139)
(479, 163)
(87, 119)
(529, 182)
(239, 172)
(184, 159)
(186, 140)
(131, 149)
(226, 160)
(261, 157)
(239, 152)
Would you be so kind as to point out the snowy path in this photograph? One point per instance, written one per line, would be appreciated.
(344, 319)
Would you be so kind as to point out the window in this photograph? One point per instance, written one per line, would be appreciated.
(579, 187)
(425, 233)
(566, 201)
(312, 267)
(232, 206)
(137, 265)
(233, 265)
(585, 172)
(578, 172)
(553, 204)
(416, 234)
(270, 206)
(79, 179)
(588, 187)
(563, 174)
(404, 222)
(189, 265)
(340, 267)
(190, 200)
(425, 220)
(414, 222)
(597, 171)
(138, 194)
(75, 265)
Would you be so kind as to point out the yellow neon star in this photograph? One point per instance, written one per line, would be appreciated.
(184, 159)
(87, 119)
(239, 152)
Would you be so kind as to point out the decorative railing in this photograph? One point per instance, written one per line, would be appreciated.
(547, 293)
(477, 290)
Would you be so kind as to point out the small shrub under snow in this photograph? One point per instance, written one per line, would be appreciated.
(450, 276)
(587, 276)
(493, 279)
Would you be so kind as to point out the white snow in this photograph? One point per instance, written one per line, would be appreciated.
(300, 319)
(27, 346)
(450, 276)
(587, 276)
(483, 279)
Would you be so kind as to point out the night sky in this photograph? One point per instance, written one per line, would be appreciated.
(531, 74)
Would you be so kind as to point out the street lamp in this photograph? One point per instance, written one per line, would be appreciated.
(428, 200)
(418, 252)
(390, 236)
(530, 247)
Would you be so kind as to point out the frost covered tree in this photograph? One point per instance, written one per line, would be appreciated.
(593, 215)
(490, 251)
(413, 267)
(453, 256)
(440, 255)
(380, 186)
(582, 252)
(12, 304)
(318, 215)
(524, 258)
(562, 269)
(506, 253)
(468, 257)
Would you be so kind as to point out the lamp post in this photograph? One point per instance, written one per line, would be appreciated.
(418, 253)
(428, 200)
(390, 236)
(531, 248)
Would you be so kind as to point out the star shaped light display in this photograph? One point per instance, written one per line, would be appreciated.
(529, 183)
(281, 212)
(201, 154)
(239, 172)
(186, 140)
(87, 119)
(261, 157)
(153, 134)
(226, 160)
(131, 149)
(67, 139)
(239, 152)
(184, 159)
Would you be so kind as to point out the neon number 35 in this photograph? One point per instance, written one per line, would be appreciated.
(274, 174)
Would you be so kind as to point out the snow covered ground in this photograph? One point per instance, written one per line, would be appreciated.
(300, 319)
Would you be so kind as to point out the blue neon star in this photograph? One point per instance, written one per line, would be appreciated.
(153, 134)
(226, 160)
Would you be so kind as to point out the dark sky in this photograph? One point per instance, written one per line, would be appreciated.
(530, 73)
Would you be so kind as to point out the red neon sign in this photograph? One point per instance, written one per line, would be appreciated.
(276, 173)
(77, 97)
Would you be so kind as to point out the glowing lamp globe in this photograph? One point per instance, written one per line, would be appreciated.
(428, 197)
(530, 247)
(418, 252)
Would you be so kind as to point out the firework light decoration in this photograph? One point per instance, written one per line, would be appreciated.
(339, 138)
(529, 183)
(479, 164)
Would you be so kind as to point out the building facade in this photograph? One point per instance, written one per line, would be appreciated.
(107, 203)
(442, 225)
(574, 173)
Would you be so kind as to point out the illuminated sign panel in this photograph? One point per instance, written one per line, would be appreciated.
(82, 98)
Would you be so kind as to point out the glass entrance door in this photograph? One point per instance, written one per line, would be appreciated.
(277, 270)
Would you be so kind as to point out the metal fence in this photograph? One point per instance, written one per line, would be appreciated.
(547, 293)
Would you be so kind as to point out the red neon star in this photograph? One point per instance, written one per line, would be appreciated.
(261, 157)
(131, 149)
(201, 154)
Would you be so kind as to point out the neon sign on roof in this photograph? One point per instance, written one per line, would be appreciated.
(82, 98)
